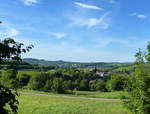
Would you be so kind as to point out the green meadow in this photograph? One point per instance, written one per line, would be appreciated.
(61, 104)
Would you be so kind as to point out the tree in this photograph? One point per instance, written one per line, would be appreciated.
(9, 79)
(84, 85)
(116, 83)
(10, 50)
(23, 79)
(58, 85)
(138, 85)
(38, 81)
(97, 85)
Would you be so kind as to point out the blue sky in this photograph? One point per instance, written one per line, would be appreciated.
(78, 30)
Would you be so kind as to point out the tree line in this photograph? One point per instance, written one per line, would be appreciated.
(64, 80)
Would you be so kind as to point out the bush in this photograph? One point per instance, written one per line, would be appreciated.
(138, 88)
(48, 85)
(58, 85)
(98, 86)
(9, 78)
(38, 81)
(117, 82)
(23, 79)
(84, 85)
(8, 98)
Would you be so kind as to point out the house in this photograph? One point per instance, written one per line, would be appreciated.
(100, 73)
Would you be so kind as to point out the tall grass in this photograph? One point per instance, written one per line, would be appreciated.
(36, 104)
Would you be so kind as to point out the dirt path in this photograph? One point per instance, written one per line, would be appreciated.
(43, 94)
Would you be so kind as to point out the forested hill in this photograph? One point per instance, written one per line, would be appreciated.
(64, 64)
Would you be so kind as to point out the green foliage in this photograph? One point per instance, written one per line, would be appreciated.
(38, 81)
(9, 79)
(138, 86)
(116, 83)
(10, 50)
(23, 80)
(58, 85)
(97, 85)
(7, 97)
(48, 85)
(139, 91)
(69, 85)
(84, 85)
(148, 53)
(72, 78)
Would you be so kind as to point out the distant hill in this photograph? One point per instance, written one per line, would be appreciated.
(65, 64)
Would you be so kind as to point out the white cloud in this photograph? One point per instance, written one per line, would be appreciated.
(13, 32)
(103, 42)
(58, 35)
(130, 42)
(105, 26)
(140, 16)
(7, 30)
(112, 1)
(30, 2)
(87, 6)
(91, 22)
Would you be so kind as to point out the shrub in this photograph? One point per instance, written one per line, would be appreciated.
(98, 86)
(38, 81)
(138, 88)
(116, 83)
(48, 85)
(84, 85)
(58, 85)
(23, 79)
(9, 78)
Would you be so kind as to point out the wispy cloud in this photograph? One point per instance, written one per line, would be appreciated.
(30, 2)
(112, 1)
(13, 32)
(87, 6)
(58, 35)
(91, 22)
(140, 16)
(130, 42)
(7, 30)
(103, 42)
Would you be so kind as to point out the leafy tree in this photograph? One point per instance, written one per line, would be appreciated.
(38, 81)
(48, 85)
(23, 79)
(84, 85)
(7, 97)
(58, 85)
(69, 85)
(138, 86)
(10, 50)
(9, 79)
(116, 83)
(148, 53)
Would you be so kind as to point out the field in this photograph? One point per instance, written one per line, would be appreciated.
(88, 94)
(61, 104)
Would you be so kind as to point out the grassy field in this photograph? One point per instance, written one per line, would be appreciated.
(88, 94)
(38, 104)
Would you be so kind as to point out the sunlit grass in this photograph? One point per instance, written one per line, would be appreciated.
(36, 104)
(88, 94)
